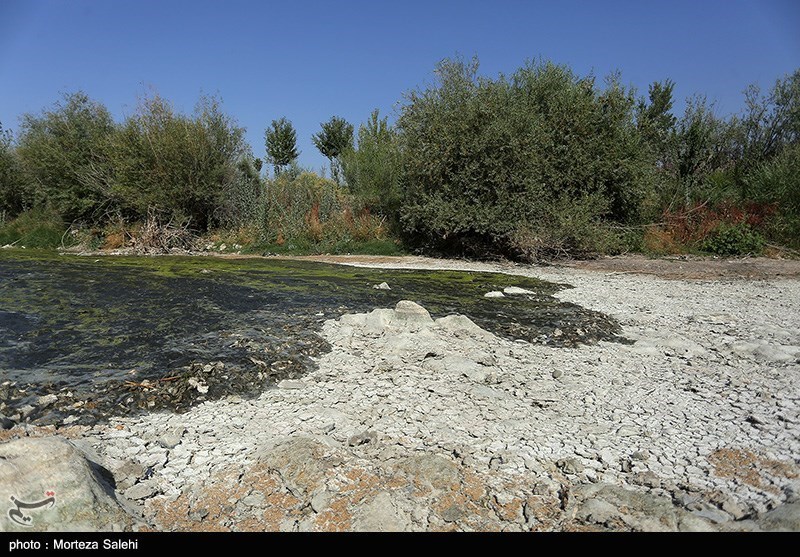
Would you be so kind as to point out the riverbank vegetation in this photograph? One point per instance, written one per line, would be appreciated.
(539, 164)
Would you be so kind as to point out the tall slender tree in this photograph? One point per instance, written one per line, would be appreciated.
(281, 143)
(335, 137)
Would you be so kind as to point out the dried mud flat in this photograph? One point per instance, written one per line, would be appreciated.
(411, 423)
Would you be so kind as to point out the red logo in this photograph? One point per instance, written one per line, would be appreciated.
(49, 493)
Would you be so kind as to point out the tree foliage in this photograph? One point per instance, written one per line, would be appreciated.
(489, 160)
(373, 170)
(64, 154)
(182, 165)
(281, 143)
(12, 200)
(335, 137)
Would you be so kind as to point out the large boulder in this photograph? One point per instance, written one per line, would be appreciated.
(47, 484)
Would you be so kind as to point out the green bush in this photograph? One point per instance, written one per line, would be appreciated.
(487, 162)
(373, 170)
(778, 181)
(36, 228)
(12, 196)
(180, 165)
(64, 155)
(312, 214)
(738, 239)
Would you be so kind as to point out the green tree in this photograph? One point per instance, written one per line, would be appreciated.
(335, 137)
(373, 170)
(281, 143)
(12, 200)
(655, 120)
(64, 154)
(523, 164)
(184, 166)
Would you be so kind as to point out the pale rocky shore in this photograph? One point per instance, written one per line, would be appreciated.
(411, 423)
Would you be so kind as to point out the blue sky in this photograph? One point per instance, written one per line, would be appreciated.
(309, 60)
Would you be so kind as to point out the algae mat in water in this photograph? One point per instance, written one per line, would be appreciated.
(83, 338)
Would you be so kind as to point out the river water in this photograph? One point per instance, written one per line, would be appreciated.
(84, 338)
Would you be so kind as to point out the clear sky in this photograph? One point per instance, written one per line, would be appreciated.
(308, 60)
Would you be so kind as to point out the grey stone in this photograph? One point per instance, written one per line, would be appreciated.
(570, 465)
(557, 373)
(6, 422)
(494, 294)
(516, 290)
(382, 286)
(84, 498)
(452, 514)
(46, 400)
(142, 490)
(291, 384)
(367, 437)
(171, 439)
(410, 313)
(320, 501)
(381, 515)
(784, 518)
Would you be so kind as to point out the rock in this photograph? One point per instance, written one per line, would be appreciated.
(290, 384)
(516, 290)
(70, 420)
(320, 501)
(26, 410)
(783, 518)
(363, 438)
(46, 400)
(299, 462)
(171, 439)
(557, 373)
(382, 286)
(83, 498)
(6, 422)
(452, 514)
(570, 465)
(640, 455)
(381, 515)
(410, 313)
(620, 508)
(434, 470)
(494, 294)
(142, 490)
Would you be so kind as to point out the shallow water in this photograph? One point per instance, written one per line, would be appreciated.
(114, 335)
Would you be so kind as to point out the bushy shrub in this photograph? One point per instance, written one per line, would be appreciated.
(737, 239)
(64, 153)
(487, 162)
(184, 166)
(373, 170)
(312, 213)
(37, 228)
(778, 181)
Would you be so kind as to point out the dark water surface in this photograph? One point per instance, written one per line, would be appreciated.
(114, 335)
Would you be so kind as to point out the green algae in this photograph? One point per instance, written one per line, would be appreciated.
(87, 325)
